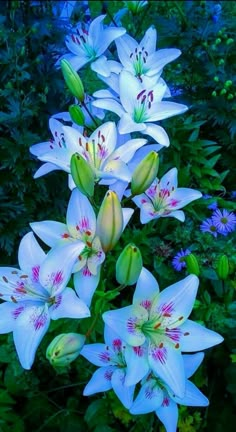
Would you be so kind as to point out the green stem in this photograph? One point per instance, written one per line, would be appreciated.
(89, 113)
(181, 13)
(88, 333)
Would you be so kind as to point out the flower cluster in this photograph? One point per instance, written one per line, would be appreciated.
(221, 222)
(146, 342)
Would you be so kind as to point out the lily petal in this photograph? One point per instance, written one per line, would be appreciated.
(124, 393)
(80, 216)
(85, 285)
(30, 254)
(127, 322)
(176, 301)
(100, 381)
(146, 289)
(31, 326)
(137, 364)
(168, 414)
(181, 197)
(110, 105)
(9, 313)
(56, 270)
(45, 169)
(51, 232)
(195, 337)
(192, 397)
(192, 363)
(148, 399)
(98, 354)
(128, 125)
(163, 110)
(68, 305)
(157, 133)
(167, 363)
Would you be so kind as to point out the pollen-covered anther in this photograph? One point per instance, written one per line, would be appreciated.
(5, 279)
(156, 326)
(141, 94)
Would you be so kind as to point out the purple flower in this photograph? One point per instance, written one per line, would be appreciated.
(178, 261)
(209, 226)
(224, 221)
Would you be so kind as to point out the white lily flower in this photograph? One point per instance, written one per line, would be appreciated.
(79, 237)
(142, 59)
(139, 107)
(35, 294)
(89, 42)
(164, 199)
(99, 151)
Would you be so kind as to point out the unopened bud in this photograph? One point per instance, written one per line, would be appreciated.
(214, 94)
(221, 62)
(216, 78)
(64, 349)
(192, 264)
(230, 96)
(223, 92)
(129, 265)
(72, 80)
(110, 221)
(222, 268)
(82, 174)
(229, 41)
(145, 173)
(76, 114)
(228, 83)
(218, 41)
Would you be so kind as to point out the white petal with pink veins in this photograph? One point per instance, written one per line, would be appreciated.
(51, 232)
(86, 284)
(30, 254)
(30, 328)
(80, 217)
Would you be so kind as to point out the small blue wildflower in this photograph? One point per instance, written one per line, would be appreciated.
(178, 261)
(206, 196)
(213, 206)
(209, 226)
(224, 221)
(233, 195)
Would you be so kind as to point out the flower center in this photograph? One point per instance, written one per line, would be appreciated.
(81, 39)
(144, 103)
(139, 58)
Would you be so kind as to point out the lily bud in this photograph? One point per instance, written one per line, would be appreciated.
(222, 268)
(129, 265)
(192, 264)
(110, 221)
(145, 173)
(82, 174)
(64, 349)
(76, 114)
(72, 80)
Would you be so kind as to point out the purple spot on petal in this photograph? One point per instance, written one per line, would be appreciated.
(139, 351)
(86, 272)
(17, 312)
(159, 353)
(117, 344)
(108, 374)
(104, 356)
(131, 324)
(174, 334)
(166, 402)
(146, 304)
(39, 321)
(58, 278)
(35, 273)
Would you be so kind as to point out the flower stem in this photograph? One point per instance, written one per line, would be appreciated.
(89, 113)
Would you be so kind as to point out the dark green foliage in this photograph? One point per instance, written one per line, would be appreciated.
(203, 151)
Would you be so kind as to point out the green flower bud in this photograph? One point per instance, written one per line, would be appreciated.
(214, 94)
(213, 47)
(230, 96)
(223, 92)
(218, 41)
(129, 265)
(64, 349)
(228, 83)
(110, 221)
(82, 174)
(222, 268)
(192, 264)
(72, 80)
(145, 173)
(216, 79)
(76, 114)
(221, 62)
(229, 41)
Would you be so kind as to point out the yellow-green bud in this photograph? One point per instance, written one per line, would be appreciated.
(229, 41)
(82, 174)
(223, 92)
(64, 349)
(145, 173)
(216, 78)
(221, 62)
(192, 264)
(228, 83)
(218, 41)
(110, 221)
(129, 265)
(72, 80)
(222, 268)
(230, 96)
(76, 114)
(214, 94)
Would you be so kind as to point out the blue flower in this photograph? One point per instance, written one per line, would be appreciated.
(224, 221)
(178, 261)
(209, 226)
